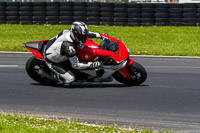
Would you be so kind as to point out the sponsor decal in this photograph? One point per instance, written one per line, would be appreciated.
(86, 57)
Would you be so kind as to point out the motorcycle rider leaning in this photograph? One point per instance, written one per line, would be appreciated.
(62, 48)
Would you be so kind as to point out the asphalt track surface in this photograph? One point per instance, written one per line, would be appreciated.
(168, 100)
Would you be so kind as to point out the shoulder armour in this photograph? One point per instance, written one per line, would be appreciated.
(67, 48)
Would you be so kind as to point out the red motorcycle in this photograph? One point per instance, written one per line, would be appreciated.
(111, 52)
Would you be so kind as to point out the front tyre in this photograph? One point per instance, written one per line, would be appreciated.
(137, 72)
(34, 65)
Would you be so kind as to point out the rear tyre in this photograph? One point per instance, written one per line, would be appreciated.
(138, 75)
(33, 65)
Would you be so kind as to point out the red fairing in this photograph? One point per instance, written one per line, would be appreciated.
(122, 53)
(87, 53)
(36, 53)
(91, 50)
(124, 70)
(41, 41)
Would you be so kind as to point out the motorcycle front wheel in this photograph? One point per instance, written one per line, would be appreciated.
(137, 72)
(34, 65)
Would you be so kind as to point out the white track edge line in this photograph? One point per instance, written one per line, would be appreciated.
(142, 56)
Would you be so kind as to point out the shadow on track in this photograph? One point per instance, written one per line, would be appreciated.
(87, 85)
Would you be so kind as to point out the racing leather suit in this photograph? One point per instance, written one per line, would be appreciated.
(62, 48)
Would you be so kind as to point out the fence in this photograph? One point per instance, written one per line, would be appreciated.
(120, 14)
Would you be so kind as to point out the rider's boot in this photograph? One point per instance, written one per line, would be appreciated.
(61, 72)
(68, 77)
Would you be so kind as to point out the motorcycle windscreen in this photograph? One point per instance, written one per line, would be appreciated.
(109, 45)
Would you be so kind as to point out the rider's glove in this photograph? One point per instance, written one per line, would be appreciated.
(95, 64)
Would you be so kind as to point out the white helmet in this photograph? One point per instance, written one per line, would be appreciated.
(79, 31)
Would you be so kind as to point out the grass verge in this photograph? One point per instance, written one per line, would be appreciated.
(177, 41)
(13, 123)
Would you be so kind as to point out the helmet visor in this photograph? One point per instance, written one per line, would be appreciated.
(83, 38)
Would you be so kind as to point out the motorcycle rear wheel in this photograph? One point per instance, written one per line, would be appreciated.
(32, 66)
(137, 72)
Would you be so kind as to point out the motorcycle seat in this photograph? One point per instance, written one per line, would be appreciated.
(35, 45)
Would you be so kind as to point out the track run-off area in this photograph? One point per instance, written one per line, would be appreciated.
(168, 100)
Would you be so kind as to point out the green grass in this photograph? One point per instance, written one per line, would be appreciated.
(181, 41)
(13, 123)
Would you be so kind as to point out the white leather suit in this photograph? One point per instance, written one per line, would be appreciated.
(62, 48)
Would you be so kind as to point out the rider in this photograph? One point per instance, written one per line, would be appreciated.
(62, 48)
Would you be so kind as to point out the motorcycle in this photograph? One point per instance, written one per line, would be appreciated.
(112, 53)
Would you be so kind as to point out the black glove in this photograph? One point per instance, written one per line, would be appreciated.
(95, 64)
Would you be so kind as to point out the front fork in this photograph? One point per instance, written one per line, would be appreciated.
(124, 70)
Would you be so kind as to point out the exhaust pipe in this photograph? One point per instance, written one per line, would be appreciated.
(46, 75)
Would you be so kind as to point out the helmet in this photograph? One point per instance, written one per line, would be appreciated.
(79, 31)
